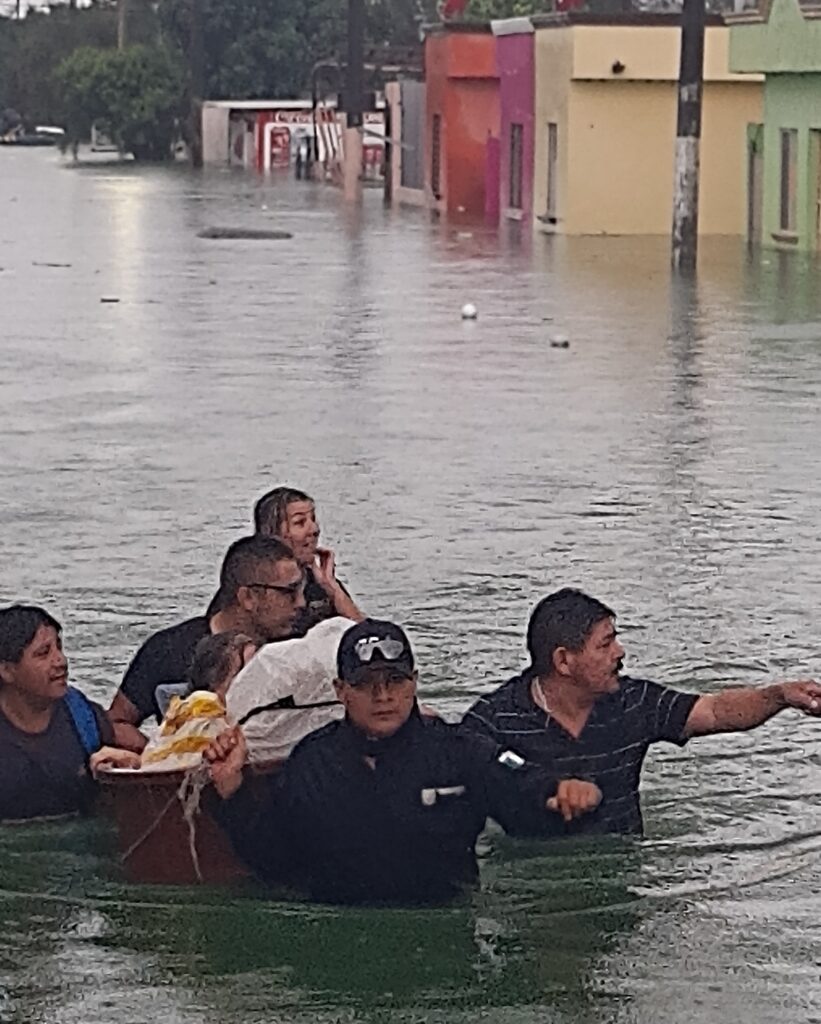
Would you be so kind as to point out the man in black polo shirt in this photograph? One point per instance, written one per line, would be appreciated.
(573, 713)
(260, 594)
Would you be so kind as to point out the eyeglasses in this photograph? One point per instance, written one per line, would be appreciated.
(389, 648)
(393, 677)
(291, 589)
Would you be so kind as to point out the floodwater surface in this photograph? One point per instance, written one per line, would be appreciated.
(154, 383)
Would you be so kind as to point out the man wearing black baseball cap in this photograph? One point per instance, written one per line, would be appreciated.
(386, 805)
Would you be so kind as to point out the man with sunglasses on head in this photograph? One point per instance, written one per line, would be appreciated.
(384, 806)
(261, 594)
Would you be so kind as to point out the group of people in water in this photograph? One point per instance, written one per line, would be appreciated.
(385, 804)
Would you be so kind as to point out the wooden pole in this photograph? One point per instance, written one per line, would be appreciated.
(688, 137)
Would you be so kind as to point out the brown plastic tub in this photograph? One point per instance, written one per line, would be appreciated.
(155, 841)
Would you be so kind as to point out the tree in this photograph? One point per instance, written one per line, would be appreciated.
(32, 48)
(134, 94)
(267, 49)
(258, 49)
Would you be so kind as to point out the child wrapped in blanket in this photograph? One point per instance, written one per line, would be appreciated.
(192, 721)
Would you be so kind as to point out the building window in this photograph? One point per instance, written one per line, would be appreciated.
(789, 164)
(552, 172)
(516, 152)
(436, 157)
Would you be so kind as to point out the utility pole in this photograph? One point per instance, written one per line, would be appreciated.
(688, 137)
(197, 82)
(354, 100)
(122, 24)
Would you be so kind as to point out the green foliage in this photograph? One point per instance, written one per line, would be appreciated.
(485, 10)
(267, 49)
(258, 48)
(31, 49)
(253, 49)
(134, 94)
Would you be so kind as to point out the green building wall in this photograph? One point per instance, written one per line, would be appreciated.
(782, 41)
(792, 102)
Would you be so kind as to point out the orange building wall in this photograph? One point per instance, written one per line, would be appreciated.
(462, 86)
(472, 116)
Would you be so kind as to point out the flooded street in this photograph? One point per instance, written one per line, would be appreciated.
(667, 461)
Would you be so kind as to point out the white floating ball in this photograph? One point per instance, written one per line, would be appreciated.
(469, 311)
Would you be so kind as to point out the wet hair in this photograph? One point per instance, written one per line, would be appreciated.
(18, 626)
(242, 559)
(270, 510)
(215, 659)
(562, 619)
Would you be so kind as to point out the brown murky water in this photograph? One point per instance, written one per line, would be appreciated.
(668, 461)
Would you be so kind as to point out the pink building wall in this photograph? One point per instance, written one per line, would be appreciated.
(516, 68)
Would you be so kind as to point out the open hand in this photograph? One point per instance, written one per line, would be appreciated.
(574, 798)
(324, 570)
(804, 695)
(226, 756)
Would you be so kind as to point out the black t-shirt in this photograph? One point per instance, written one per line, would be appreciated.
(318, 606)
(609, 751)
(165, 657)
(45, 774)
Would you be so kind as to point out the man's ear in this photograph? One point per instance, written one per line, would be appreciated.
(561, 661)
(245, 598)
(6, 671)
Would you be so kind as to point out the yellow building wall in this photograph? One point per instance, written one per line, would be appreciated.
(648, 52)
(553, 70)
(617, 132)
(728, 110)
(621, 148)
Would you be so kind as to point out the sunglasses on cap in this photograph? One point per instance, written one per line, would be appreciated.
(388, 647)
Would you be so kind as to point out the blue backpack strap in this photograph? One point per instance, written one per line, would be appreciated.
(84, 720)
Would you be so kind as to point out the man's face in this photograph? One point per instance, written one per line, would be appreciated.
(275, 600)
(300, 531)
(596, 666)
(379, 701)
(42, 671)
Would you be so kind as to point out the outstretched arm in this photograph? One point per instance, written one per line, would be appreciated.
(742, 708)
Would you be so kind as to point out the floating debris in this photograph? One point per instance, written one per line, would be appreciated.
(35, 263)
(560, 341)
(469, 311)
(252, 234)
(106, 299)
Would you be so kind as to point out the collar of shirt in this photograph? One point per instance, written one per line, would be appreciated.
(365, 746)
